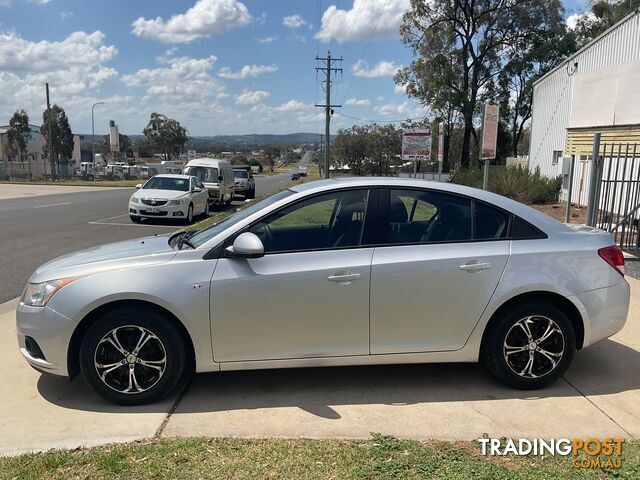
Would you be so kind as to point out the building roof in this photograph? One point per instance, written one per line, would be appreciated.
(589, 45)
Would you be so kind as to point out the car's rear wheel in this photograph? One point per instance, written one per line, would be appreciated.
(133, 356)
(530, 346)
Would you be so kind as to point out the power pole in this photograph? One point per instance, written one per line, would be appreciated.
(327, 68)
(51, 157)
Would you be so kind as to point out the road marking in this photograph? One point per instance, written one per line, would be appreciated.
(109, 218)
(173, 227)
(53, 205)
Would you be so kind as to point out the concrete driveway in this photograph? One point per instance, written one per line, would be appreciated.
(598, 397)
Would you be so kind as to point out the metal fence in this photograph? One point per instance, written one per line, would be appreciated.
(614, 191)
(432, 176)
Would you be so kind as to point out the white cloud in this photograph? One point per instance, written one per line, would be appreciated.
(294, 21)
(401, 89)
(249, 97)
(182, 79)
(204, 19)
(357, 102)
(384, 68)
(270, 39)
(246, 71)
(65, 15)
(572, 20)
(296, 38)
(399, 109)
(367, 19)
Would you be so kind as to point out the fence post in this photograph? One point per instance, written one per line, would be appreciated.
(567, 214)
(592, 206)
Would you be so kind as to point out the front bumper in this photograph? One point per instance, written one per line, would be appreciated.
(51, 331)
(164, 211)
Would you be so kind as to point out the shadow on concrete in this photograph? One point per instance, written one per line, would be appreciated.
(606, 368)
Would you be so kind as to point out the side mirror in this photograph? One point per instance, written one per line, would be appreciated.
(246, 245)
(220, 178)
(197, 189)
(139, 186)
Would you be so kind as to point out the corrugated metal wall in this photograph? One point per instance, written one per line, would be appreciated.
(552, 95)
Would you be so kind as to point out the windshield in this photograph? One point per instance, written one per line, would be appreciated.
(167, 183)
(205, 174)
(208, 233)
(241, 174)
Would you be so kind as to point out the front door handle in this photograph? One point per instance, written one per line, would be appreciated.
(475, 267)
(344, 277)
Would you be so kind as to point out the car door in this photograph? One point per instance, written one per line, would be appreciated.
(434, 269)
(200, 198)
(308, 296)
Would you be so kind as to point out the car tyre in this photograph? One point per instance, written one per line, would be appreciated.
(205, 214)
(252, 193)
(189, 218)
(123, 372)
(530, 346)
(135, 219)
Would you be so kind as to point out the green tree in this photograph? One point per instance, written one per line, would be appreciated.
(166, 135)
(460, 47)
(18, 134)
(351, 146)
(602, 15)
(61, 137)
(271, 153)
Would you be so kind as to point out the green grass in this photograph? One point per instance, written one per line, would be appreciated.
(82, 183)
(380, 457)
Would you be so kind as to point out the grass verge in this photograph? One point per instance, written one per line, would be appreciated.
(381, 457)
(82, 183)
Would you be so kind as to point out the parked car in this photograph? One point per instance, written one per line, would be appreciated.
(335, 272)
(295, 176)
(217, 176)
(244, 183)
(169, 196)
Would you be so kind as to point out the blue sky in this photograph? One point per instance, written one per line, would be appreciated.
(218, 66)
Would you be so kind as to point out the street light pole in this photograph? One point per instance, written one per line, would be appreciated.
(93, 141)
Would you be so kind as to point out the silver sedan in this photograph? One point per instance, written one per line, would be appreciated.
(337, 272)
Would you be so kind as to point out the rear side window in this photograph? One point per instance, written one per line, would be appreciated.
(419, 216)
(491, 223)
(521, 230)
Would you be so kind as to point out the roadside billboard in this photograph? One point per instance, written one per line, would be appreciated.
(416, 145)
(490, 131)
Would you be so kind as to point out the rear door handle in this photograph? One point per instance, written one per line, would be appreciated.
(344, 278)
(475, 267)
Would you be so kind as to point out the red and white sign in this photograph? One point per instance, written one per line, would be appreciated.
(490, 131)
(416, 145)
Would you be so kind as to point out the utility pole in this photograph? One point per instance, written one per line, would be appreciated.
(93, 142)
(327, 67)
(51, 156)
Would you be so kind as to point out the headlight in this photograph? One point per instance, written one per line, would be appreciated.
(178, 202)
(134, 199)
(38, 294)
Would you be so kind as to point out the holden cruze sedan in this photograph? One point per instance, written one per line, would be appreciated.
(178, 197)
(336, 272)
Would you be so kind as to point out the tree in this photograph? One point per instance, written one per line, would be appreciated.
(460, 48)
(61, 137)
(603, 15)
(166, 135)
(350, 146)
(272, 153)
(125, 144)
(18, 134)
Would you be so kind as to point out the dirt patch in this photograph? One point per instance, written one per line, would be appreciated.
(557, 211)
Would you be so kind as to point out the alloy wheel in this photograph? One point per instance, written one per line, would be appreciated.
(130, 359)
(533, 346)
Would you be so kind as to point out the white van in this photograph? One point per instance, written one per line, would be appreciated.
(217, 176)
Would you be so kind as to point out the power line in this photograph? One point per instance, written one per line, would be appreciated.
(381, 121)
(327, 67)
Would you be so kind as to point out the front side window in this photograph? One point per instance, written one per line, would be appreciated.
(420, 216)
(332, 220)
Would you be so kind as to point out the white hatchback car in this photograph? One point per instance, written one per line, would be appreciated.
(169, 196)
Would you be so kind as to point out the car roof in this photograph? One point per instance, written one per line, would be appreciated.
(173, 175)
(530, 214)
(206, 162)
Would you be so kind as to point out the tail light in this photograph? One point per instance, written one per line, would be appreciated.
(614, 257)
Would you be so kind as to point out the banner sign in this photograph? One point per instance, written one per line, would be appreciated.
(490, 131)
(416, 145)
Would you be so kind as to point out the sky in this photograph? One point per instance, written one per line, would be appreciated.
(217, 66)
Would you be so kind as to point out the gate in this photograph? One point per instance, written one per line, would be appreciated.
(616, 195)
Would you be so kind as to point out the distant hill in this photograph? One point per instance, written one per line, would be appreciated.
(259, 139)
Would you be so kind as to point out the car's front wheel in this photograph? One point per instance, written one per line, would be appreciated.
(530, 346)
(132, 356)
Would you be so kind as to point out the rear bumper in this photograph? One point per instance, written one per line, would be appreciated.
(604, 311)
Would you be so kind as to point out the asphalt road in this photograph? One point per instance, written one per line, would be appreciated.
(34, 230)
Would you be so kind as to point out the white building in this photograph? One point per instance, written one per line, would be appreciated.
(596, 89)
